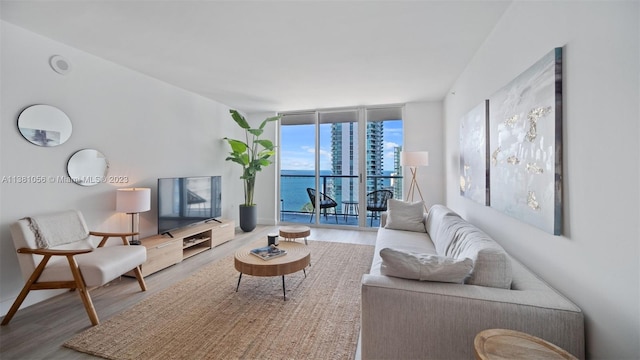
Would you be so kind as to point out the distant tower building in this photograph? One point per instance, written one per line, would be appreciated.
(344, 151)
(375, 155)
(396, 184)
(344, 160)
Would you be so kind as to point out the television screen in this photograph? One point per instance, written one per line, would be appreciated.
(186, 201)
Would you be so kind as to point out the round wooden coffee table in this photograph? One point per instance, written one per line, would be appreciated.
(293, 232)
(298, 257)
(498, 344)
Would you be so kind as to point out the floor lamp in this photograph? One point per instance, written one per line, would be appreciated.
(133, 201)
(414, 159)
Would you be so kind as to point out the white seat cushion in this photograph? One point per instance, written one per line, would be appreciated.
(403, 240)
(99, 266)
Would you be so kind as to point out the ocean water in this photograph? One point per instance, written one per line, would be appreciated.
(293, 188)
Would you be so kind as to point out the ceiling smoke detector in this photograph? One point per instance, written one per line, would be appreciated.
(59, 64)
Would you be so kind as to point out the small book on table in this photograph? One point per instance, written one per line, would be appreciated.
(268, 252)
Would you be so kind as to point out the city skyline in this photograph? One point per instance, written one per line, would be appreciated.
(298, 151)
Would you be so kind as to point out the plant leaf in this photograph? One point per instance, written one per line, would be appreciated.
(256, 132)
(267, 144)
(239, 119)
(265, 121)
(237, 146)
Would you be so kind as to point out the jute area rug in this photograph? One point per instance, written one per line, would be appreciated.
(203, 317)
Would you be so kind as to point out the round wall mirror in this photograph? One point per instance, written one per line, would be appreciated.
(88, 167)
(44, 125)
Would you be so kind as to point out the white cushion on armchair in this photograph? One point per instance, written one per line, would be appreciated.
(99, 266)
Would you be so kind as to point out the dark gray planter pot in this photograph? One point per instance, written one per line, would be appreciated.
(248, 217)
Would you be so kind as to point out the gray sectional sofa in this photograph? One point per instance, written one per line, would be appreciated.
(403, 317)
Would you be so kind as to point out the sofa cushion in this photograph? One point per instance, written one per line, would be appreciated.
(437, 228)
(403, 240)
(454, 237)
(405, 216)
(424, 267)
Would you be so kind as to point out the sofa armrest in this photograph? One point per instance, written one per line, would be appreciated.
(448, 316)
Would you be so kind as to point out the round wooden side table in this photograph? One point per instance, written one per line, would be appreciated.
(293, 232)
(498, 344)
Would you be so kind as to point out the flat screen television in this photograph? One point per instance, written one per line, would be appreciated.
(184, 201)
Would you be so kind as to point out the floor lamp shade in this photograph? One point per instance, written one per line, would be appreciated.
(133, 201)
(414, 158)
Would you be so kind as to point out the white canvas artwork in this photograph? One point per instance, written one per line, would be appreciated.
(473, 154)
(525, 145)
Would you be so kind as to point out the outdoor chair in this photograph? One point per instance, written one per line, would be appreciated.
(325, 203)
(55, 251)
(377, 202)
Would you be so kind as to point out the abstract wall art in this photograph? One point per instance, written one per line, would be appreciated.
(525, 145)
(474, 176)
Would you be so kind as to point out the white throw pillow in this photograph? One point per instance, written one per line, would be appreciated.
(405, 216)
(424, 267)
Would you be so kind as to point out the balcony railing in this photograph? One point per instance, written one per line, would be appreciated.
(295, 204)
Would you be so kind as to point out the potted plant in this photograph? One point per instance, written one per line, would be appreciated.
(252, 154)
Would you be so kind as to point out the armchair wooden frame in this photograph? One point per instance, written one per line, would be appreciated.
(78, 282)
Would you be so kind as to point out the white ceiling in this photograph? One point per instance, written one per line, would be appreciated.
(277, 55)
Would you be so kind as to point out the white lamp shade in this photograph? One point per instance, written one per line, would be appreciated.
(414, 158)
(133, 200)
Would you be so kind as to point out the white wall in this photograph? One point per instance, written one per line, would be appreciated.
(146, 128)
(265, 196)
(595, 262)
(423, 131)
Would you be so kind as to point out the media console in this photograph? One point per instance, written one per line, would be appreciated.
(164, 251)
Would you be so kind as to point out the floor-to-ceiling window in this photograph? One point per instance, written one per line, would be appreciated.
(331, 160)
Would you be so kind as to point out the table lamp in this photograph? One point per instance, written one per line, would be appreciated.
(414, 159)
(133, 201)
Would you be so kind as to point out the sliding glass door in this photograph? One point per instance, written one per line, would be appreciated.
(332, 161)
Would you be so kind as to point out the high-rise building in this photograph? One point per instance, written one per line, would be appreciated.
(344, 151)
(375, 155)
(396, 184)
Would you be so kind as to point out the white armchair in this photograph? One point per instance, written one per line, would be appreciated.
(55, 251)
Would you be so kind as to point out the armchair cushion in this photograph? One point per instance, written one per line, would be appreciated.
(99, 266)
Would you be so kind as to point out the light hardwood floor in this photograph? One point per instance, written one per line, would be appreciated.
(38, 331)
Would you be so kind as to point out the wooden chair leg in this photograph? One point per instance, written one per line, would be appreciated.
(140, 278)
(16, 304)
(25, 290)
(82, 290)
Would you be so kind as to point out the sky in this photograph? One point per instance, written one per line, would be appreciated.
(298, 145)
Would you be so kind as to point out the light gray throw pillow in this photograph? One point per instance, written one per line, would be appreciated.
(424, 267)
(405, 216)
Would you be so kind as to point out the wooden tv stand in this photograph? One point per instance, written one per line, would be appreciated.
(164, 251)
